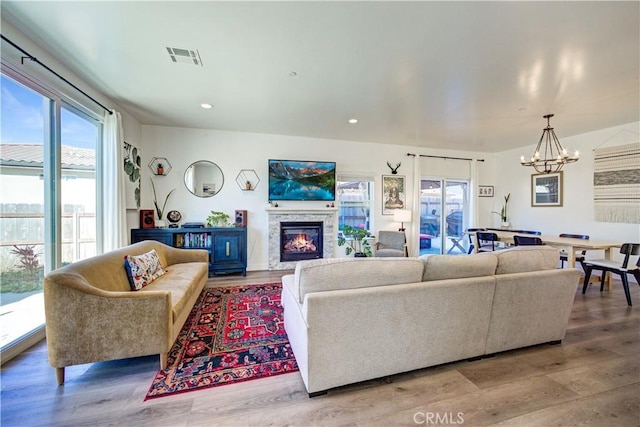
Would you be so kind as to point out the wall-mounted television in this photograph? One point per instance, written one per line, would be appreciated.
(302, 180)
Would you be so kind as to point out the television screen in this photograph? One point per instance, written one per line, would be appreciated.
(302, 180)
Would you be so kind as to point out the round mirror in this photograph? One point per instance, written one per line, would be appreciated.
(203, 178)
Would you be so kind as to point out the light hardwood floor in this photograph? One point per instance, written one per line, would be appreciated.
(592, 378)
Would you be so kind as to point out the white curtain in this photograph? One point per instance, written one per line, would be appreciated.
(114, 221)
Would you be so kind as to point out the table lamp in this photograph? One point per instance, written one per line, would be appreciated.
(402, 216)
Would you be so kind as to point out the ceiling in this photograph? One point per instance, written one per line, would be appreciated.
(473, 76)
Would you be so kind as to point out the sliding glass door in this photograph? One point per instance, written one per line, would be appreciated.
(444, 213)
(42, 224)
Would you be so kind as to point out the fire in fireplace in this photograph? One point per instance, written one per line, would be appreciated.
(300, 240)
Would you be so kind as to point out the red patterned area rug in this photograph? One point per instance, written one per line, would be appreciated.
(233, 334)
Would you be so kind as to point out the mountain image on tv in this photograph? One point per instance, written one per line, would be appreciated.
(301, 180)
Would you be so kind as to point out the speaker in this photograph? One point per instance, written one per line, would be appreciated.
(147, 219)
(241, 218)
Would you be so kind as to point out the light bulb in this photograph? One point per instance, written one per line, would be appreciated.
(576, 155)
(521, 159)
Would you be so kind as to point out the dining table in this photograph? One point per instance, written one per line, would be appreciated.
(565, 244)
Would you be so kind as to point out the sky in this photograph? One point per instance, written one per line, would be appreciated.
(22, 115)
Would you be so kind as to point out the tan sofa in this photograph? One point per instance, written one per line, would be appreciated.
(350, 320)
(93, 315)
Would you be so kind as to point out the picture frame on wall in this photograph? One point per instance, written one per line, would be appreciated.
(393, 193)
(546, 189)
(485, 190)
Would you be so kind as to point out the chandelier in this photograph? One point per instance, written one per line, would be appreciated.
(555, 157)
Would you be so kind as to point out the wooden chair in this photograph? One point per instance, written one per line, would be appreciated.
(471, 242)
(623, 269)
(579, 255)
(486, 241)
(391, 244)
(527, 241)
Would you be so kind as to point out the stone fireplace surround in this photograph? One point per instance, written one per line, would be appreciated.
(328, 218)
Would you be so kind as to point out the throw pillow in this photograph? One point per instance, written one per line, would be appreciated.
(143, 269)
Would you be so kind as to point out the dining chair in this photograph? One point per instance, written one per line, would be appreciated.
(579, 254)
(605, 265)
(470, 232)
(527, 241)
(536, 233)
(486, 241)
(391, 244)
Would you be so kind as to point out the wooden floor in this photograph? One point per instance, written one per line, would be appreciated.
(592, 378)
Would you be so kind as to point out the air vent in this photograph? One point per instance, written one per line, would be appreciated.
(185, 56)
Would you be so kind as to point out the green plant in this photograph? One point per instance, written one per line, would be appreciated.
(355, 239)
(28, 258)
(159, 210)
(217, 218)
(503, 211)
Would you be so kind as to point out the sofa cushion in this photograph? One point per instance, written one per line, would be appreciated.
(179, 282)
(522, 259)
(143, 269)
(439, 267)
(350, 273)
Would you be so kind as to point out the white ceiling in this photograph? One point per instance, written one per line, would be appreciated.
(461, 75)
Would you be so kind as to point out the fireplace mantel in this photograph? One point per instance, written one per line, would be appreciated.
(328, 216)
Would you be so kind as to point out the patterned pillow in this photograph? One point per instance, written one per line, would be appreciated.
(143, 269)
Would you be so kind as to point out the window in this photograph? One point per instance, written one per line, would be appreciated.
(42, 225)
(355, 194)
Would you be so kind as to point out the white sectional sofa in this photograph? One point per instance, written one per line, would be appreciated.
(350, 320)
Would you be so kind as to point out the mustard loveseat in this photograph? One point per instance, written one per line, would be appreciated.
(93, 315)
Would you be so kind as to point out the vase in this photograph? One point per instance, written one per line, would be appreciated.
(506, 225)
(161, 223)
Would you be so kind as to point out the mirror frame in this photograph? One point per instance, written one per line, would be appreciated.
(205, 193)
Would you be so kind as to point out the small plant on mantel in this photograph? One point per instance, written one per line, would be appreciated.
(355, 239)
(217, 219)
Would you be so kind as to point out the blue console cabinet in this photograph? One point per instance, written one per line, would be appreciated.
(227, 247)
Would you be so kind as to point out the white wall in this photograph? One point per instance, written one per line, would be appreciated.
(233, 151)
(577, 213)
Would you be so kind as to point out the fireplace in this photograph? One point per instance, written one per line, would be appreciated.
(301, 240)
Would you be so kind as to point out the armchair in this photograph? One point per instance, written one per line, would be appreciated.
(391, 244)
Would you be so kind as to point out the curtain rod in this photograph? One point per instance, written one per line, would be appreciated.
(443, 157)
(37, 61)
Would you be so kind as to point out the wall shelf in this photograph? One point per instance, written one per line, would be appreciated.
(247, 179)
(160, 166)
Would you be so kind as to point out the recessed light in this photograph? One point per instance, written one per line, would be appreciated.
(353, 121)
(206, 106)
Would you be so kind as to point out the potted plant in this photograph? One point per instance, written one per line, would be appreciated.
(356, 240)
(217, 219)
(503, 212)
(159, 210)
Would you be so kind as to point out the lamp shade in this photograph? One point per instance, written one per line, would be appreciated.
(402, 215)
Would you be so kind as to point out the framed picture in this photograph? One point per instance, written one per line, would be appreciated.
(546, 189)
(208, 190)
(393, 193)
(485, 190)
